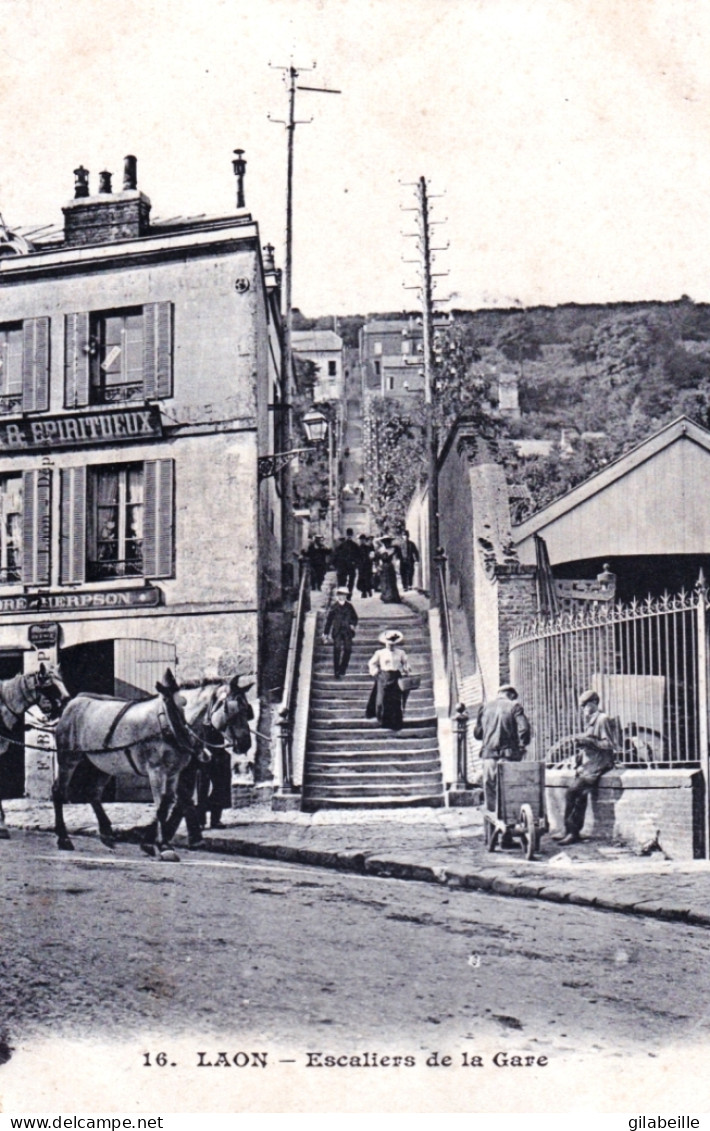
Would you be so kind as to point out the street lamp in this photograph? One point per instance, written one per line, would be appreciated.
(315, 426)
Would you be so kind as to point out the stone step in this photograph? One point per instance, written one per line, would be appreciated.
(373, 756)
(328, 686)
(314, 803)
(374, 789)
(344, 743)
(354, 718)
(355, 765)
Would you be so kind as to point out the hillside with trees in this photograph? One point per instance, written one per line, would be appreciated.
(593, 380)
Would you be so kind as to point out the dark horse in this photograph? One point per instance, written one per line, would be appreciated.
(44, 689)
(218, 714)
(106, 736)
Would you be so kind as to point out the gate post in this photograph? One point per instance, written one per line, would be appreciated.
(702, 593)
(461, 724)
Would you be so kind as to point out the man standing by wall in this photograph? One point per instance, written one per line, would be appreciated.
(340, 626)
(504, 731)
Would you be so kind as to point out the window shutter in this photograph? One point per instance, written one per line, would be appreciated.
(36, 525)
(35, 365)
(158, 518)
(158, 350)
(77, 360)
(73, 533)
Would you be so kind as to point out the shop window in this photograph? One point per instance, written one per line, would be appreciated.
(118, 356)
(24, 366)
(117, 521)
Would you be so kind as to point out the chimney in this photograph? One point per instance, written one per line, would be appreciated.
(240, 167)
(130, 173)
(108, 216)
(81, 182)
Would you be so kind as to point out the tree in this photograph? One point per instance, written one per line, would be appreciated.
(462, 386)
(395, 457)
(518, 340)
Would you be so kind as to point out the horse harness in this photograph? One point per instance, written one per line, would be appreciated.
(168, 732)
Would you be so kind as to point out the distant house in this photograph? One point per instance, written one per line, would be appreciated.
(325, 349)
(391, 357)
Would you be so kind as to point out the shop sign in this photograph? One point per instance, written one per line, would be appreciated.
(43, 635)
(81, 429)
(77, 601)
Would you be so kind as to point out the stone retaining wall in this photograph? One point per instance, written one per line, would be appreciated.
(639, 807)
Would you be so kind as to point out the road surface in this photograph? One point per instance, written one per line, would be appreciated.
(100, 943)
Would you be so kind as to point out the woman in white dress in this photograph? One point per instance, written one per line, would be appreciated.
(386, 702)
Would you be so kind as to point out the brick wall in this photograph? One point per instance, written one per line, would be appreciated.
(516, 601)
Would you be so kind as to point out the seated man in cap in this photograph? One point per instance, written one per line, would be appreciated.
(504, 731)
(340, 625)
(594, 756)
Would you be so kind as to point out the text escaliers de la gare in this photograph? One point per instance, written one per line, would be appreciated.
(378, 1060)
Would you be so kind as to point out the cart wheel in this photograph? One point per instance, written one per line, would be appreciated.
(529, 835)
(492, 834)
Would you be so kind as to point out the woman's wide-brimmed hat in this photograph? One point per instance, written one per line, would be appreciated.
(391, 637)
(386, 539)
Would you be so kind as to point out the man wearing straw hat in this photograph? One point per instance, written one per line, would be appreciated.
(387, 700)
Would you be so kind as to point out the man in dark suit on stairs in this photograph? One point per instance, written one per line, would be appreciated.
(340, 626)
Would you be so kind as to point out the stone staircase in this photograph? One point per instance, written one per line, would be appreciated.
(352, 762)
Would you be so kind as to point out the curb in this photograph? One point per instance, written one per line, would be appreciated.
(414, 869)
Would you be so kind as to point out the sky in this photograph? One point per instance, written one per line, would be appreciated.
(566, 143)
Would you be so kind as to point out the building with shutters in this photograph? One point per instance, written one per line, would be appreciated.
(139, 363)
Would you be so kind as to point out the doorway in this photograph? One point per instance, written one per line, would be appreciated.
(12, 779)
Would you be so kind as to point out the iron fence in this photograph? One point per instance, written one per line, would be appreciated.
(646, 660)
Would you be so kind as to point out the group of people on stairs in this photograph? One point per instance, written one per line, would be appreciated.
(388, 666)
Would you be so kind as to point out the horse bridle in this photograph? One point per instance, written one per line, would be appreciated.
(31, 702)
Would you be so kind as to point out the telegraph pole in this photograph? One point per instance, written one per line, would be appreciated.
(425, 289)
(432, 431)
(291, 75)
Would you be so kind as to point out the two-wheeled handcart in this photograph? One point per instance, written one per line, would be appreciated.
(520, 807)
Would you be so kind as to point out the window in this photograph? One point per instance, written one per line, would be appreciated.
(24, 366)
(115, 522)
(118, 356)
(390, 382)
(332, 369)
(116, 348)
(378, 368)
(378, 349)
(11, 368)
(10, 529)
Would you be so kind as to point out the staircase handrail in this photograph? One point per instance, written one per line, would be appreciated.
(286, 709)
(457, 707)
